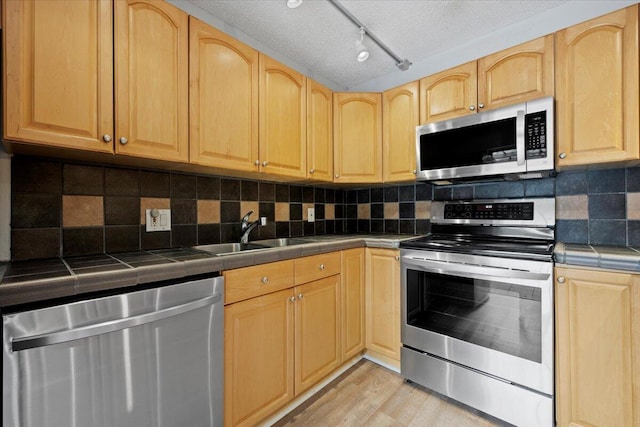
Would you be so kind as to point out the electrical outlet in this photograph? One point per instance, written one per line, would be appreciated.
(158, 219)
(311, 215)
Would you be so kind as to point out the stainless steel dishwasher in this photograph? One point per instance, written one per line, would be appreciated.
(147, 358)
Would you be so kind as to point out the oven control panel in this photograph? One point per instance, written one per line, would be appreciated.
(501, 211)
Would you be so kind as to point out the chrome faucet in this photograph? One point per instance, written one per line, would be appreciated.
(246, 226)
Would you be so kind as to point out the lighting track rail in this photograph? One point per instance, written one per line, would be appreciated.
(402, 64)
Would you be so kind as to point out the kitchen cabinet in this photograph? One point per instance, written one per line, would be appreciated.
(259, 352)
(597, 348)
(357, 127)
(60, 85)
(597, 106)
(400, 116)
(283, 119)
(517, 74)
(383, 305)
(151, 85)
(319, 132)
(223, 100)
(353, 297)
(282, 333)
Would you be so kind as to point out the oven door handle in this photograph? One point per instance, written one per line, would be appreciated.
(473, 271)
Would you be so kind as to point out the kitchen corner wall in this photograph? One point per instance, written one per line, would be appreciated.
(69, 209)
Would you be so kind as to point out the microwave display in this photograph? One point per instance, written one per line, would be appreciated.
(483, 143)
(536, 135)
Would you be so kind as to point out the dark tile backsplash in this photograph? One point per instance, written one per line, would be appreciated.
(607, 217)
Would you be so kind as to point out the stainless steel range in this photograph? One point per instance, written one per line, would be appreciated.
(477, 307)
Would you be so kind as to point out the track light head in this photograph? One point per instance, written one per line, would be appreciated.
(363, 52)
(292, 4)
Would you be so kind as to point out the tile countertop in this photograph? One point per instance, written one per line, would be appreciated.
(40, 280)
(607, 257)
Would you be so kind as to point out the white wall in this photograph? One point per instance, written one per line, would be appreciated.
(5, 205)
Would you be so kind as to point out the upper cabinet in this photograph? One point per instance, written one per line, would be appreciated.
(597, 106)
(400, 116)
(448, 94)
(319, 132)
(516, 74)
(58, 85)
(223, 100)
(151, 91)
(283, 119)
(357, 128)
(513, 75)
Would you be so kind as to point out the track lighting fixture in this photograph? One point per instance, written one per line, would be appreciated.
(363, 53)
(292, 4)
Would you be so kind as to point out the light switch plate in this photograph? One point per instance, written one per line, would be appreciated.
(311, 215)
(158, 219)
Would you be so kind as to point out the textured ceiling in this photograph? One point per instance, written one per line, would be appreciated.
(317, 37)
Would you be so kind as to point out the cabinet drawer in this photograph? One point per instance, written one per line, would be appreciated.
(250, 282)
(316, 267)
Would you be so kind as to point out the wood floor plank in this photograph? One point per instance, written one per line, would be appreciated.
(373, 396)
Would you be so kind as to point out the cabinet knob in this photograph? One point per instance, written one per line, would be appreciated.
(472, 107)
(300, 296)
(562, 155)
(312, 171)
(337, 175)
(123, 141)
(265, 280)
(561, 279)
(414, 171)
(106, 137)
(321, 266)
(257, 163)
(397, 258)
(292, 299)
(265, 163)
(481, 105)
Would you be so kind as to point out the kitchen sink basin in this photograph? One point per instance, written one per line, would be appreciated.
(230, 248)
(279, 243)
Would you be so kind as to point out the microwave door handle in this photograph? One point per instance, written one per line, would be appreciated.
(520, 138)
(474, 271)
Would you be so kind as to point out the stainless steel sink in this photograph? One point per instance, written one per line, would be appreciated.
(230, 248)
(279, 243)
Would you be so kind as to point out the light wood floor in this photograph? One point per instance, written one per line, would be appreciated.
(370, 395)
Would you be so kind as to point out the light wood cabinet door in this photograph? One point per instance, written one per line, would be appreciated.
(400, 116)
(283, 119)
(151, 80)
(353, 295)
(598, 348)
(317, 331)
(597, 106)
(383, 304)
(319, 132)
(259, 357)
(357, 127)
(223, 100)
(516, 74)
(450, 93)
(58, 73)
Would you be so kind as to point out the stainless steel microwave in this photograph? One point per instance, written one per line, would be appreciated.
(513, 142)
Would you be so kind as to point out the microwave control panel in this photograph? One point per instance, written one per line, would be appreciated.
(517, 211)
(536, 135)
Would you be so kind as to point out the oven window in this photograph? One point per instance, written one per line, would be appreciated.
(500, 316)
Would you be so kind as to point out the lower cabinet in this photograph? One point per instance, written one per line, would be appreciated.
(280, 344)
(383, 305)
(353, 280)
(597, 348)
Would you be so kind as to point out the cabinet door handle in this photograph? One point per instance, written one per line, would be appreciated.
(106, 137)
(561, 279)
(562, 155)
(337, 176)
(292, 299)
(312, 171)
(265, 279)
(321, 266)
(414, 171)
(123, 141)
(257, 163)
(481, 105)
(397, 258)
(472, 107)
(265, 163)
(300, 296)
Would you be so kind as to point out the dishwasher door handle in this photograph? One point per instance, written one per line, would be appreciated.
(42, 340)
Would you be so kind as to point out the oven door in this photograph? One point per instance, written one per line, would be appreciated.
(494, 315)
